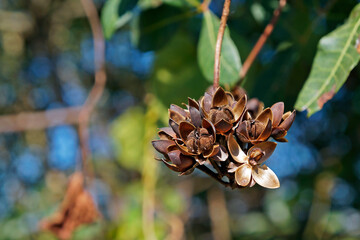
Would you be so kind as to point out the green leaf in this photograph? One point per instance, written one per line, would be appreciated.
(182, 3)
(335, 58)
(115, 14)
(128, 133)
(155, 27)
(177, 3)
(230, 59)
(176, 74)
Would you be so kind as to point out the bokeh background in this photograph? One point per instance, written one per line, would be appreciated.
(46, 56)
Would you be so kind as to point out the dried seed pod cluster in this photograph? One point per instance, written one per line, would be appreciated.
(227, 132)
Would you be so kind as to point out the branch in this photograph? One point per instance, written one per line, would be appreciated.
(100, 79)
(39, 120)
(219, 39)
(261, 41)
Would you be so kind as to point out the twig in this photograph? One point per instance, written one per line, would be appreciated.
(224, 17)
(100, 79)
(261, 41)
(213, 175)
(216, 167)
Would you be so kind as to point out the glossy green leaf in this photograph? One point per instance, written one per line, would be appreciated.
(115, 14)
(230, 59)
(335, 58)
(156, 26)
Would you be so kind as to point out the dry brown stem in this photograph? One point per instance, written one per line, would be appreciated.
(261, 41)
(220, 36)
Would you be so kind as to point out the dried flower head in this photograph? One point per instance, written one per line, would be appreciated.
(222, 109)
(229, 133)
(281, 122)
(255, 130)
(250, 168)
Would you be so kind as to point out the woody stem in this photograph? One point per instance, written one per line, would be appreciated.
(224, 17)
(213, 175)
(214, 164)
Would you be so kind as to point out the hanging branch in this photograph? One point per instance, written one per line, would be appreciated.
(224, 17)
(261, 41)
(100, 80)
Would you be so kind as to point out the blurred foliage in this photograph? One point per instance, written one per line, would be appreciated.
(46, 50)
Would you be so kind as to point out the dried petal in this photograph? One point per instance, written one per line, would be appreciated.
(206, 102)
(278, 133)
(265, 177)
(266, 133)
(286, 115)
(218, 114)
(254, 107)
(239, 108)
(235, 150)
(252, 182)
(286, 124)
(223, 126)
(185, 128)
(212, 152)
(222, 155)
(178, 109)
(220, 98)
(166, 133)
(232, 167)
(194, 112)
(162, 145)
(229, 97)
(238, 92)
(243, 175)
(267, 148)
(184, 150)
(171, 166)
(190, 170)
(277, 111)
(177, 117)
(242, 131)
(174, 126)
(181, 161)
(265, 115)
(281, 139)
(210, 127)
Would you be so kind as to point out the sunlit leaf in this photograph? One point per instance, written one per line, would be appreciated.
(115, 14)
(230, 59)
(335, 58)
